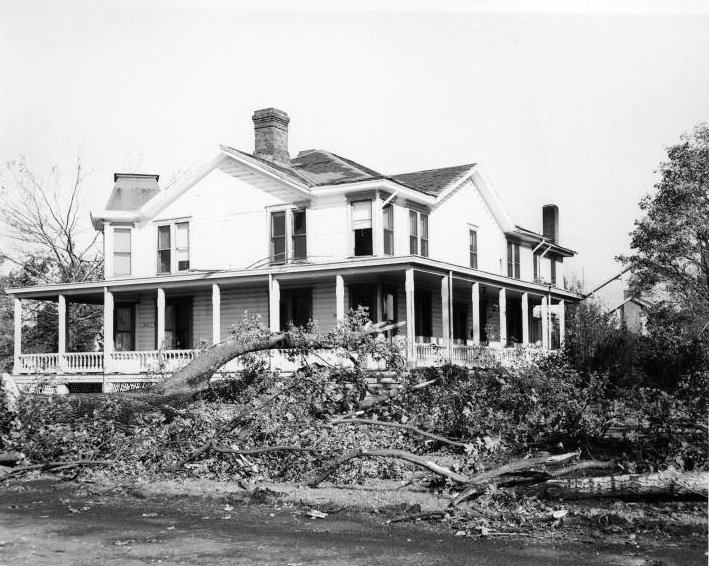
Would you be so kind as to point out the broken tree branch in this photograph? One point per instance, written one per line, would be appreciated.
(410, 428)
(56, 466)
(386, 453)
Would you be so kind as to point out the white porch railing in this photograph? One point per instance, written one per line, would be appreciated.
(169, 361)
(74, 362)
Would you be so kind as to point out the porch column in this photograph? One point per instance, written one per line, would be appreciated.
(562, 323)
(216, 314)
(476, 313)
(545, 324)
(161, 317)
(503, 316)
(339, 298)
(107, 328)
(274, 304)
(410, 317)
(18, 335)
(446, 314)
(61, 342)
(525, 319)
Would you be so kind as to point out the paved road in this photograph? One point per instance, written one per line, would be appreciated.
(62, 524)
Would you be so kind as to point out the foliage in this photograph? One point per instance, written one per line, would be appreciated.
(43, 220)
(670, 244)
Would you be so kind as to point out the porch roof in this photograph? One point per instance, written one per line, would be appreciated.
(92, 292)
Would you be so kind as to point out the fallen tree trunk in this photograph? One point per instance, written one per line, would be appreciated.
(56, 466)
(661, 484)
(478, 482)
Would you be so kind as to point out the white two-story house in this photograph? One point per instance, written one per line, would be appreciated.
(307, 238)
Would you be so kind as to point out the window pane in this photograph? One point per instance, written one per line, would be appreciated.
(389, 242)
(299, 235)
(278, 237)
(124, 318)
(278, 224)
(278, 253)
(424, 226)
(183, 260)
(300, 250)
(163, 237)
(121, 240)
(183, 235)
(163, 261)
(424, 247)
(362, 214)
(363, 242)
(299, 223)
(413, 245)
(413, 223)
(121, 264)
(388, 216)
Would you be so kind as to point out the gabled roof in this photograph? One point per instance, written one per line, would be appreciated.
(132, 190)
(276, 168)
(322, 167)
(642, 303)
(433, 181)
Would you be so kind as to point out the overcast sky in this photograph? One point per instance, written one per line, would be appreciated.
(560, 102)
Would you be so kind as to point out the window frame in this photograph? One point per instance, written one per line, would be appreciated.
(303, 237)
(173, 248)
(513, 260)
(419, 236)
(274, 258)
(123, 254)
(388, 237)
(354, 229)
(473, 246)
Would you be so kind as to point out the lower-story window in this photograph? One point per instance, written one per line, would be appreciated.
(296, 308)
(124, 328)
(423, 317)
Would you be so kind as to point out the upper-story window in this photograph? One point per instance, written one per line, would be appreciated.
(278, 237)
(173, 247)
(473, 244)
(513, 260)
(300, 249)
(537, 263)
(285, 225)
(418, 233)
(553, 270)
(121, 251)
(388, 229)
(362, 227)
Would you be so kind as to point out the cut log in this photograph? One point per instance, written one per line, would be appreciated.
(661, 484)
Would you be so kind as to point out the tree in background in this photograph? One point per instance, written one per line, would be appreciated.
(47, 240)
(670, 244)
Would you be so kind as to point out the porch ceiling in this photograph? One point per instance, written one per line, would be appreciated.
(426, 270)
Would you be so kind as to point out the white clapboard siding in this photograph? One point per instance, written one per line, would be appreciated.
(328, 230)
(236, 302)
(226, 209)
(324, 304)
(146, 323)
(202, 317)
(449, 226)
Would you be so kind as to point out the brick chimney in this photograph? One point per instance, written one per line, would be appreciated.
(550, 222)
(271, 135)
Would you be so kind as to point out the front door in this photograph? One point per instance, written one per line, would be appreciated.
(124, 327)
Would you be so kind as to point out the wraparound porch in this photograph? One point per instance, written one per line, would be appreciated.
(457, 317)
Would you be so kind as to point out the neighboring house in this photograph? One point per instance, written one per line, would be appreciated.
(309, 237)
(626, 309)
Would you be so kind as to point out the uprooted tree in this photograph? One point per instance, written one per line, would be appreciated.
(322, 420)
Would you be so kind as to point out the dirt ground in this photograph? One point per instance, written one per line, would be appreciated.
(58, 523)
